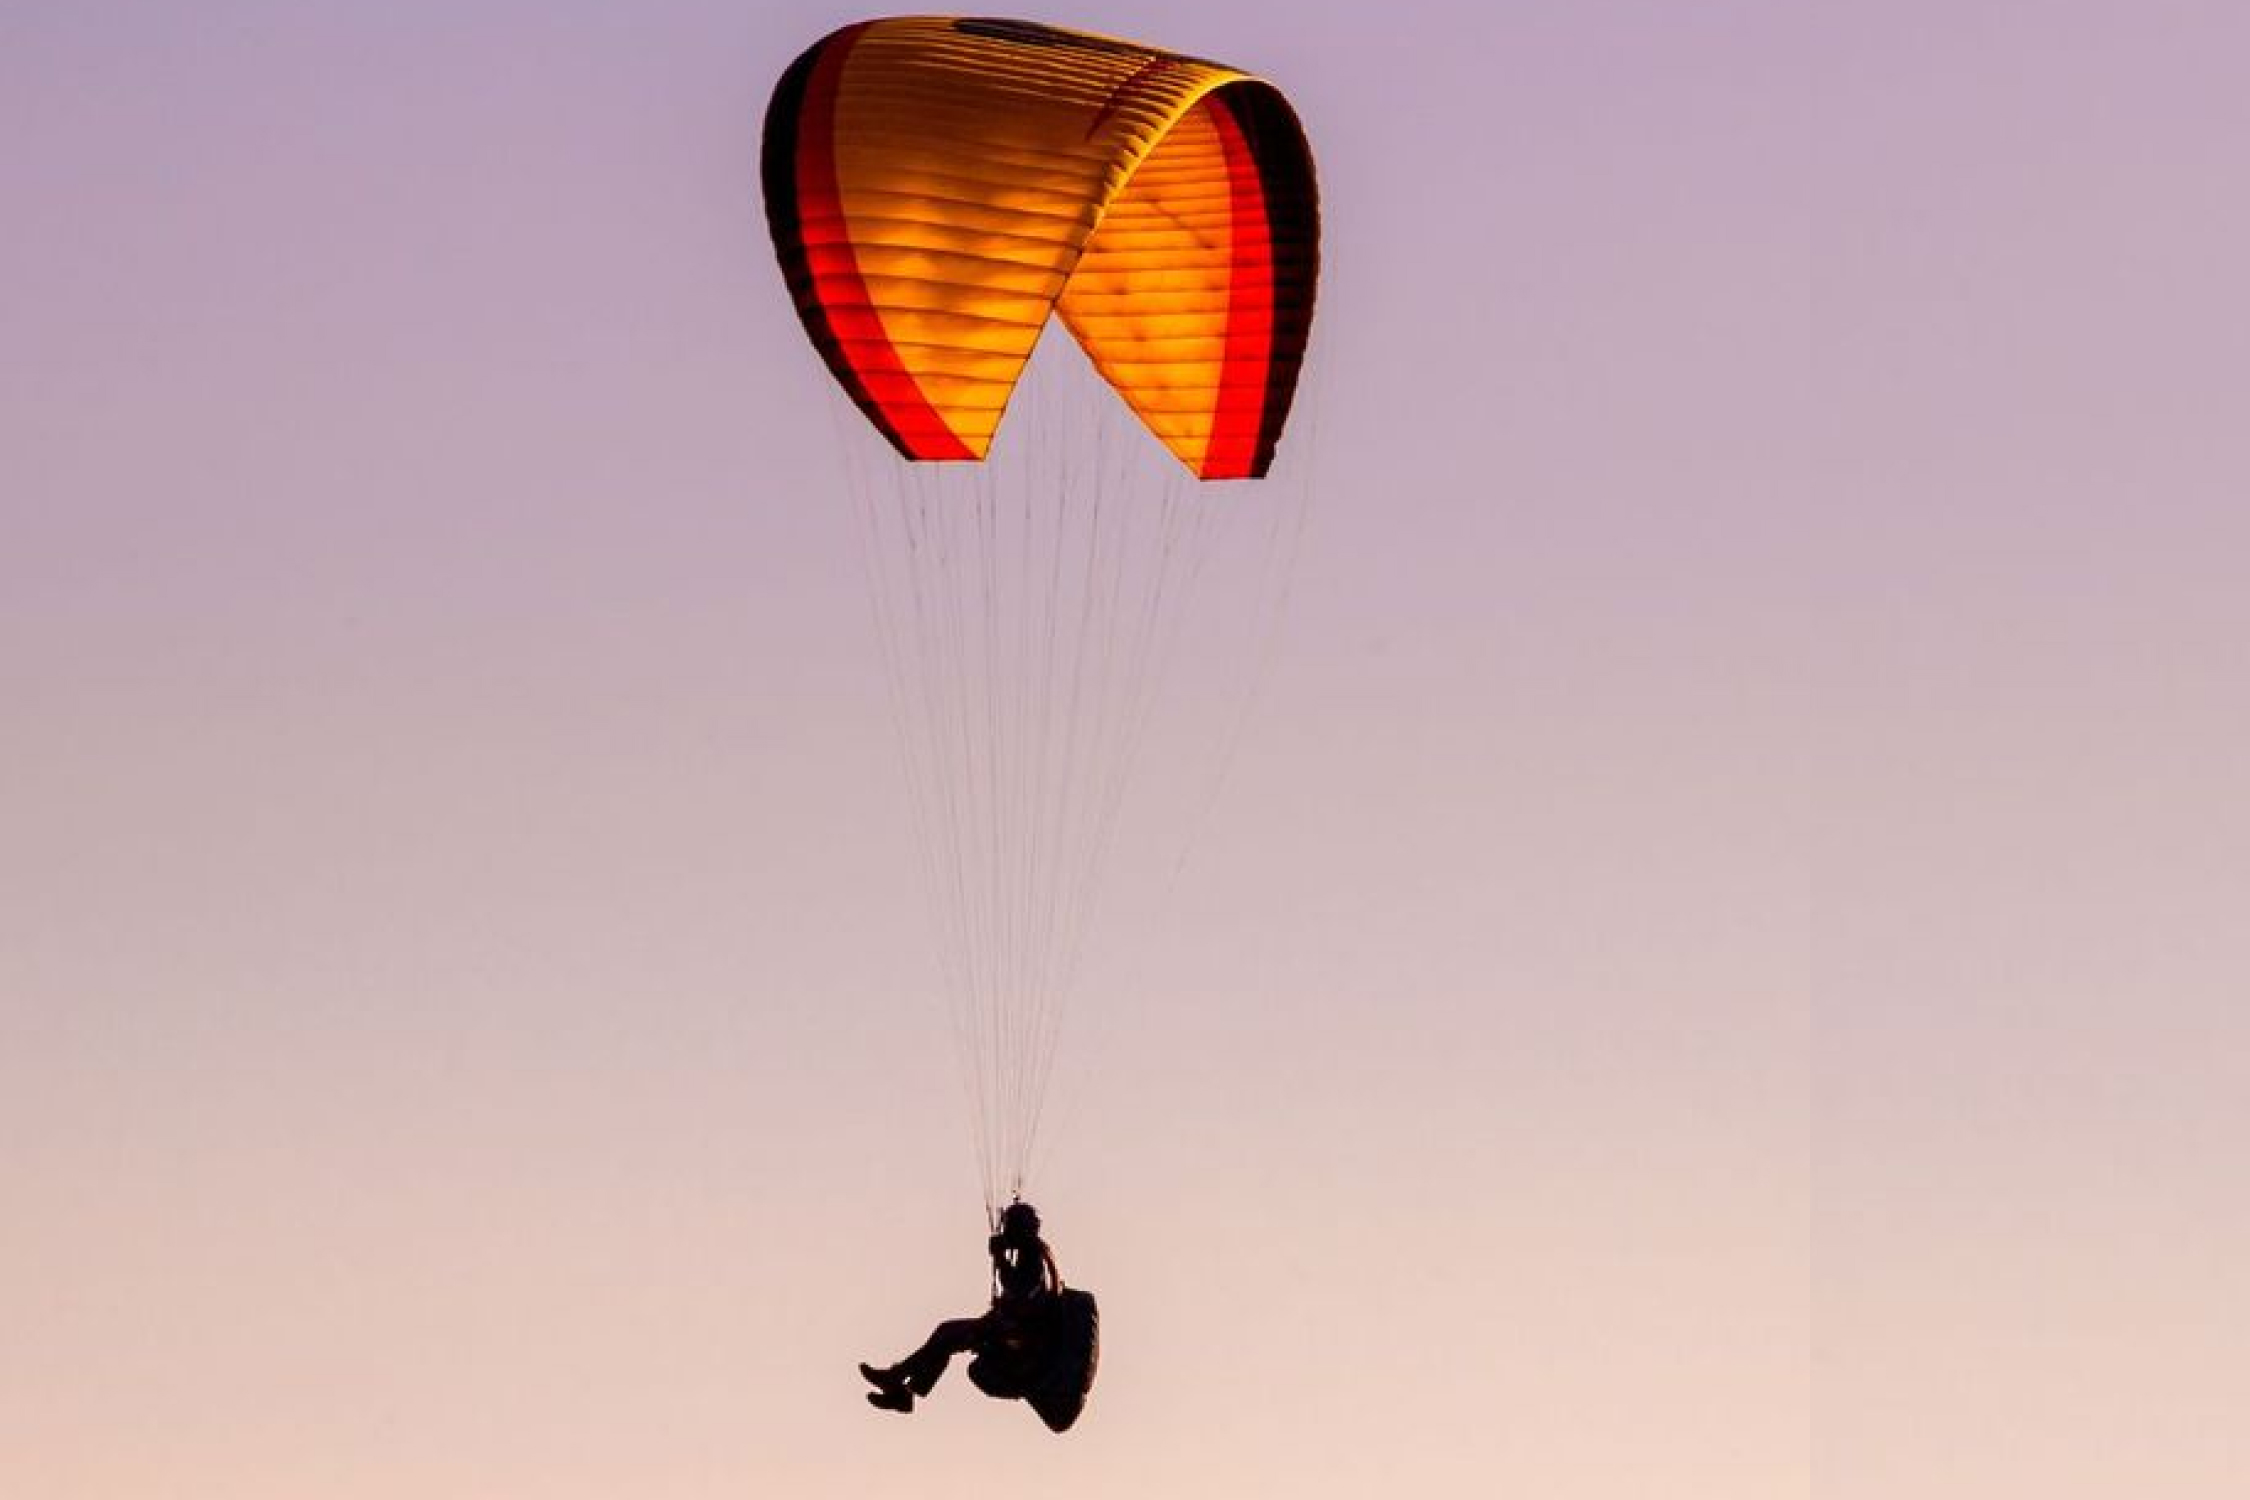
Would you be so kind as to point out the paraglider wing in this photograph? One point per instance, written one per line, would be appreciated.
(939, 187)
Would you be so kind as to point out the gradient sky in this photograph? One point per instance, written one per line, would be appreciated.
(1736, 877)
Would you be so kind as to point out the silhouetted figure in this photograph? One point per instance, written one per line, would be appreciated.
(1038, 1342)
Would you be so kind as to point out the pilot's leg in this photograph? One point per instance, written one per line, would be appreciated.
(921, 1369)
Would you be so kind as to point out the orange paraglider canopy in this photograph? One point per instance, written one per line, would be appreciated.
(938, 187)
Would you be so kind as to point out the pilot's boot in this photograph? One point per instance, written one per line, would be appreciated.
(900, 1399)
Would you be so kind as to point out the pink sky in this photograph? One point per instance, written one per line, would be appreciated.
(1720, 955)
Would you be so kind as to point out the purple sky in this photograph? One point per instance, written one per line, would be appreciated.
(1720, 957)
